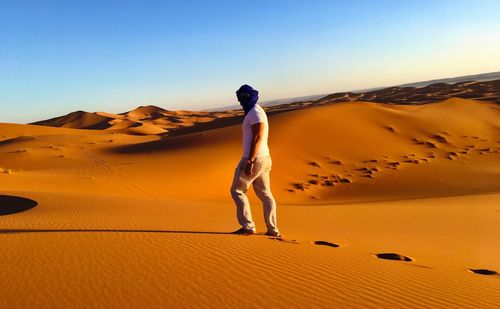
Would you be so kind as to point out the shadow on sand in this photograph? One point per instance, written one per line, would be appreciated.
(14, 204)
(16, 231)
(181, 138)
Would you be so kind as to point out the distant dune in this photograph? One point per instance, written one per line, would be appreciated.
(483, 77)
(153, 120)
(79, 120)
(144, 120)
(387, 199)
(486, 91)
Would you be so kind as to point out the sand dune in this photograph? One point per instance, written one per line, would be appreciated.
(382, 205)
(160, 121)
(144, 120)
(78, 120)
(487, 91)
(346, 162)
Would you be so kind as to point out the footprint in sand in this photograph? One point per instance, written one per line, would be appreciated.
(450, 155)
(439, 138)
(300, 186)
(313, 181)
(287, 241)
(413, 161)
(314, 163)
(366, 172)
(393, 165)
(345, 180)
(336, 162)
(390, 129)
(326, 243)
(328, 183)
(393, 257)
(485, 272)
(14, 204)
(424, 143)
(484, 150)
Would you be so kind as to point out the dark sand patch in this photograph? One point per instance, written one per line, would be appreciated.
(326, 243)
(485, 272)
(14, 204)
(393, 257)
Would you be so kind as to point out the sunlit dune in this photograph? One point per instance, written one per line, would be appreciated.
(144, 120)
(380, 204)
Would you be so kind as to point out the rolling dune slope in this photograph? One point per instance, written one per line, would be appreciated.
(344, 152)
(381, 205)
(144, 120)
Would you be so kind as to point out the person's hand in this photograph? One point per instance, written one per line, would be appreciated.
(248, 168)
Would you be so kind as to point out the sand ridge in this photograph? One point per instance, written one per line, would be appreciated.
(154, 120)
(144, 120)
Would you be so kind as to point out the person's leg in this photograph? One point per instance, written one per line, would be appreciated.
(241, 184)
(262, 187)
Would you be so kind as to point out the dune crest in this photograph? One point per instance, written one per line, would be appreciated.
(144, 120)
(157, 120)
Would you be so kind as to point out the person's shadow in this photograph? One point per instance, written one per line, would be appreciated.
(15, 231)
(13, 204)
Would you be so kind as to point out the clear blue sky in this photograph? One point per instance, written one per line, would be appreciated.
(60, 56)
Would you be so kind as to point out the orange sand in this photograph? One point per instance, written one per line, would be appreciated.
(126, 220)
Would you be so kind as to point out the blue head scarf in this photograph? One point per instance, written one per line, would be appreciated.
(248, 97)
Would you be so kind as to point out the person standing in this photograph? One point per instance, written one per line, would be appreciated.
(254, 167)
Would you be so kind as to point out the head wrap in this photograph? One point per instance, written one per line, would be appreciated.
(248, 97)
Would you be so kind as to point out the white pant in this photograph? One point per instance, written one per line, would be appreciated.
(262, 187)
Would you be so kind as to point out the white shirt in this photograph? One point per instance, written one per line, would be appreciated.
(255, 115)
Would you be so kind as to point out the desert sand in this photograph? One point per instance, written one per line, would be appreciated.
(381, 205)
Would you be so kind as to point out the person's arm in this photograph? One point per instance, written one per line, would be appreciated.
(257, 133)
